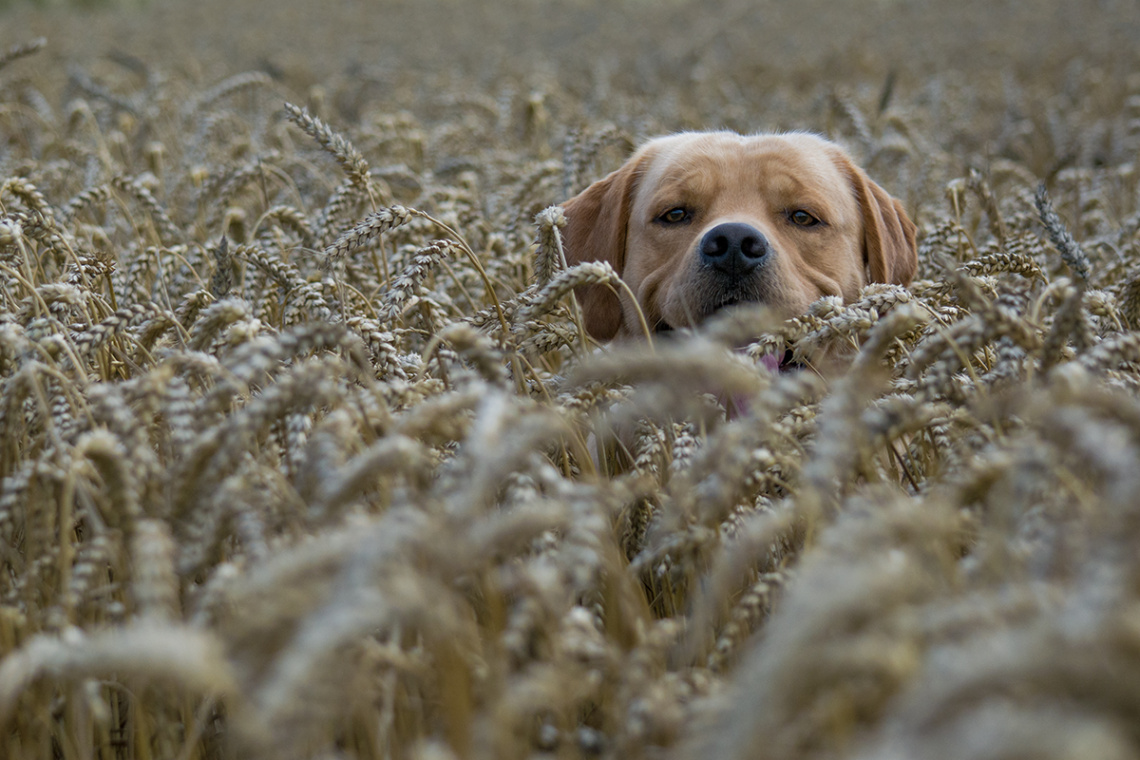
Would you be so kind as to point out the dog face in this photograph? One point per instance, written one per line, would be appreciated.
(695, 222)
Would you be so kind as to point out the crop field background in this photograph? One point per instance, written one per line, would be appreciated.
(304, 455)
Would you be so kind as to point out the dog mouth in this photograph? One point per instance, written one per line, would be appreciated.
(702, 298)
(703, 315)
(774, 362)
(781, 363)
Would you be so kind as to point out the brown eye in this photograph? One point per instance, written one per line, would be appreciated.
(674, 216)
(803, 218)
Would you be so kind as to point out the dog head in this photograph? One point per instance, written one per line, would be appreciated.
(695, 222)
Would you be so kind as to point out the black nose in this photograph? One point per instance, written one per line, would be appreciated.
(734, 248)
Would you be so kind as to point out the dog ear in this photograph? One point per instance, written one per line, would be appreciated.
(597, 220)
(889, 250)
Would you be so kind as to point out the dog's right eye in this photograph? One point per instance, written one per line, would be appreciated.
(803, 219)
(674, 216)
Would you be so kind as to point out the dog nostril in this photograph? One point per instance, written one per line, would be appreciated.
(716, 246)
(751, 248)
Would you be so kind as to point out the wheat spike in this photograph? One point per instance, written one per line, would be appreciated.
(372, 226)
(1071, 252)
(21, 50)
(347, 156)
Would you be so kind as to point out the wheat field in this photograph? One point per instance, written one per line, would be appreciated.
(303, 453)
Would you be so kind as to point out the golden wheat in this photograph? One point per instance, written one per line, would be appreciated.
(309, 459)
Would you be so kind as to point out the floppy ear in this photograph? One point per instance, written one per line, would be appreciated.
(596, 224)
(889, 250)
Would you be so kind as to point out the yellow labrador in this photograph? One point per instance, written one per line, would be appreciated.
(697, 221)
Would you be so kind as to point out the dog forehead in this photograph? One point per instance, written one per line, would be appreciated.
(706, 164)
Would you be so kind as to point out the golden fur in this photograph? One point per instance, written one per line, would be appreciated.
(859, 233)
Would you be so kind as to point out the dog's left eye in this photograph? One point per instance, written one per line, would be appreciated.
(674, 215)
(802, 218)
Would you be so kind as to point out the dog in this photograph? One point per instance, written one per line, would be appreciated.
(699, 221)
